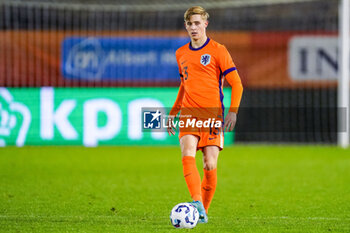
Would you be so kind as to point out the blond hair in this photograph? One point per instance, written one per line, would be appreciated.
(196, 10)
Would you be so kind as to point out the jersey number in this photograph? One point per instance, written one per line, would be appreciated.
(214, 131)
(186, 74)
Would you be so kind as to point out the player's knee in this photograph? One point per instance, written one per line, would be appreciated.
(210, 160)
(210, 164)
(188, 151)
(188, 145)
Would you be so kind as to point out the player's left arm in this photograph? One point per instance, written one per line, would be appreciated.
(178, 102)
(236, 94)
(231, 75)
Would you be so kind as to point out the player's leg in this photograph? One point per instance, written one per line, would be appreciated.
(188, 145)
(210, 160)
(193, 180)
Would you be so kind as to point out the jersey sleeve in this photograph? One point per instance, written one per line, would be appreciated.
(178, 62)
(229, 70)
(225, 61)
(178, 102)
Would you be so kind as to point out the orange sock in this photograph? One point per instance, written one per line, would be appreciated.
(192, 177)
(208, 187)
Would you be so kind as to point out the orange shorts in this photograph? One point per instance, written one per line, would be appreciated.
(207, 136)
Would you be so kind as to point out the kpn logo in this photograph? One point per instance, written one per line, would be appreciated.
(152, 119)
(15, 119)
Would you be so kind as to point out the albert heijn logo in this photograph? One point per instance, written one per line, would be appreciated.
(205, 59)
(152, 119)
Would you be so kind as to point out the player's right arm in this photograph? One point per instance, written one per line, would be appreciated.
(178, 103)
(175, 110)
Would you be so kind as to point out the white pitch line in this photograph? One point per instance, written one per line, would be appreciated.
(238, 218)
(298, 218)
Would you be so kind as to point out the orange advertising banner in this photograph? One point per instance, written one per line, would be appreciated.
(263, 59)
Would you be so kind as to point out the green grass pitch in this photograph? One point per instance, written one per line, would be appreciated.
(132, 189)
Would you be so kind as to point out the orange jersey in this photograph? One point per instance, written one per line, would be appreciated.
(202, 72)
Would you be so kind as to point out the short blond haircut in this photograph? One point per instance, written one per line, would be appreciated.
(196, 10)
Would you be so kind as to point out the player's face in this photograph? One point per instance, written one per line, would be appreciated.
(196, 27)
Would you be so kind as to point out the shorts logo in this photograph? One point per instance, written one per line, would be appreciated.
(152, 119)
(205, 59)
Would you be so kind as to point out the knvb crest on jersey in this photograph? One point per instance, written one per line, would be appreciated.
(205, 59)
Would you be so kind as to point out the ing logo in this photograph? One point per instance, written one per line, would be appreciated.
(152, 119)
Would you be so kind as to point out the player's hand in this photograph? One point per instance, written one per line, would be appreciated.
(230, 121)
(171, 127)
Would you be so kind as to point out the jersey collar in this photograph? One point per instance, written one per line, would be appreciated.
(195, 49)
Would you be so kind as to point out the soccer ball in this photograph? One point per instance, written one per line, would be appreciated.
(184, 215)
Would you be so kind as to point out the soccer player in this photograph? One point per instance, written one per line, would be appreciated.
(203, 65)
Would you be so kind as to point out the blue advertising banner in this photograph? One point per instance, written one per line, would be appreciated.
(130, 58)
